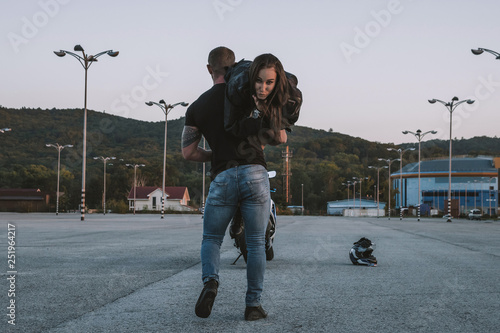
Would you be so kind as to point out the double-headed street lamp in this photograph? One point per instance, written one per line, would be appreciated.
(419, 135)
(166, 109)
(104, 160)
(86, 61)
(389, 162)
(401, 152)
(59, 148)
(135, 166)
(3, 130)
(450, 106)
(378, 183)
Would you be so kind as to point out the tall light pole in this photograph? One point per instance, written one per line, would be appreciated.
(451, 106)
(475, 182)
(59, 148)
(419, 135)
(302, 199)
(3, 130)
(104, 160)
(348, 183)
(401, 152)
(166, 109)
(468, 182)
(360, 187)
(353, 195)
(482, 202)
(357, 180)
(389, 162)
(378, 182)
(86, 61)
(135, 166)
(489, 192)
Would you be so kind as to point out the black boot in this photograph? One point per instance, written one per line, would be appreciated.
(255, 313)
(206, 300)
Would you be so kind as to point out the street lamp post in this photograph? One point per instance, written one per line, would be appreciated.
(481, 188)
(450, 106)
(302, 199)
(166, 109)
(475, 182)
(135, 178)
(401, 152)
(104, 160)
(360, 187)
(357, 180)
(468, 182)
(86, 61)
(378, 182)
(348, 183)
(389, 162)
(419, 135)
(59, 148)
(3, 130)
(489, 191)
(353, 195)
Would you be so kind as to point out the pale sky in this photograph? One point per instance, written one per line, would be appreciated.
(366, 68)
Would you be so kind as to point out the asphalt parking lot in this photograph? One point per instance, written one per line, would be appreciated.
(126, 273)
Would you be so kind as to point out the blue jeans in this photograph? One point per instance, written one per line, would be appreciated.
(248, 187)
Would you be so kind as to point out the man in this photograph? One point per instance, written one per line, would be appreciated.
(239, 178)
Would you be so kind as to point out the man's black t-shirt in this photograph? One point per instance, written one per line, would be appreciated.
(207, 114)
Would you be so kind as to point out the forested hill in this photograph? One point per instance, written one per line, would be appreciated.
(321, 160)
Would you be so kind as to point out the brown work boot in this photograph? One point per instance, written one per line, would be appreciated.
(206, 300)
(254, 313)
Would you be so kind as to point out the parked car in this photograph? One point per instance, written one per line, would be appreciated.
(474, 214)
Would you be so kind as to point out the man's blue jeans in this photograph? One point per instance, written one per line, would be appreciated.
(247, 186)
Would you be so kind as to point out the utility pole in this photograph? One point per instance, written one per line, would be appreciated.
(287, 155)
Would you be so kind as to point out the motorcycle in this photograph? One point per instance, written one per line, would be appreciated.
(237, 230)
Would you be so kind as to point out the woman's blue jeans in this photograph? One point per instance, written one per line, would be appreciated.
(248, 187)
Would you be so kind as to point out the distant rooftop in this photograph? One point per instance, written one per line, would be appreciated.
(460, 164)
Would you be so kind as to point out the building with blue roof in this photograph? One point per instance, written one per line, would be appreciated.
(474, 184)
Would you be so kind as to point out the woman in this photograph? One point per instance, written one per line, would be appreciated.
(269, 88)
(262, 100)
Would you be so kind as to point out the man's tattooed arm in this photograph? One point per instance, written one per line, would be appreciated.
(191, 137)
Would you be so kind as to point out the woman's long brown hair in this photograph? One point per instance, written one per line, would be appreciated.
(279, 96)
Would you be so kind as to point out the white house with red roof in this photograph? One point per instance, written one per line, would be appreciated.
(149, 198)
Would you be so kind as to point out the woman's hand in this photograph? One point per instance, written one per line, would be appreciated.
(259, 103)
